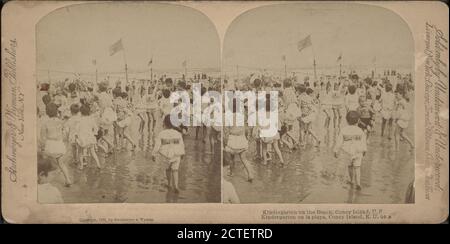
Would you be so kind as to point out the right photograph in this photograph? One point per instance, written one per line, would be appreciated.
(344, 111)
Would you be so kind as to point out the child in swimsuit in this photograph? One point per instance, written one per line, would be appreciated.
(237, 145)
(402, 121)
(169, 144)
(52, 138)
(85, 136)
(352, 141)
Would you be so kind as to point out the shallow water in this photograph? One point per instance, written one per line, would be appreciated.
(132, 177)
(314, 175)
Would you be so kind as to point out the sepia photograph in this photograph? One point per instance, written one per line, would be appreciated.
(224, 112)
(105, 73)
(344, 76)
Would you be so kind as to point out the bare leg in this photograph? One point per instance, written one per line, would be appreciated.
(75, 152)
(175, 180)
(197, 129)
(383, 126)
(277, 150)
(326, 125)
(154, 116)
(115, 135)
(302, 136)
(211, 139)
(286, 141)
(396, 139)
(101, 145)
(120, 133)
(247, 165)
(264, 153)
(154, 120)
(204, 133)
(350, 174)
(120, 137)
(403, 134)
(149, 121)
(94, 155)
(390, 128)
(248, 132)
(141, 123)
(339, 120)
(357, 172)
(169, 177)
(310, 132)
(110, 145)
(258, 148)
(127, 137)
(64, 170)
(81, 156)
(293, 133)
(232, 163)
(269, 151)
(335, 116)
(368, 129)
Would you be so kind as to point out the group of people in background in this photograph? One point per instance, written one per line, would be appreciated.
(353, 108)
(79, 121)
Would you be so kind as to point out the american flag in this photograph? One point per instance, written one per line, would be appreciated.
(184, 63)
(339, 58)
(116, 47)
(304, 43)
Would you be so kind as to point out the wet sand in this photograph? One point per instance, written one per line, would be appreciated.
(132, 177)
(314, 175)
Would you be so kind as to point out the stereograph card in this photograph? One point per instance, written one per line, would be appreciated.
(224, 112)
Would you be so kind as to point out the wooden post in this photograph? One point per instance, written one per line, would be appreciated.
(315, 74)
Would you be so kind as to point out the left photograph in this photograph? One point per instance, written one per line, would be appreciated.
(105, 74)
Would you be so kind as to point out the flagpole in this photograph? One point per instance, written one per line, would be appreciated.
(126, 69)
(375, 68)
(285, 68)
(315, 73)
(185, 68)
(151, 69)
(151, 73)
(314, 62)
(96, 72)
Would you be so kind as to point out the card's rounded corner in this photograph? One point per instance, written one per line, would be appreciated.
(8, 216)
(441, 4)
(441, 218)
(4, 8)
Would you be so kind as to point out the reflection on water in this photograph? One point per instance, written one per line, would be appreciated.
(315, 176)
(133, 177)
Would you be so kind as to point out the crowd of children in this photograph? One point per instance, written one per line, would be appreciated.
(308, 110)
(79, 122)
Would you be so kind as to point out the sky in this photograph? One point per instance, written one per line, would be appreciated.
(69, 39)
(361, 33)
